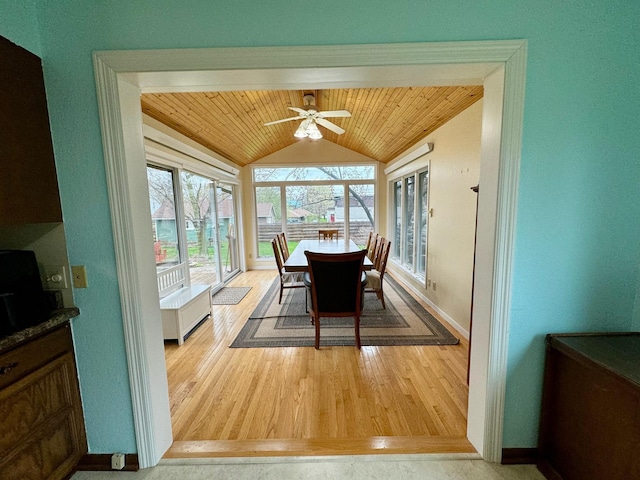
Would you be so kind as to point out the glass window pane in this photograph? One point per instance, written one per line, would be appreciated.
(197, 193)
(163, 216)
(361, 213)
(227, 233)
(409, 184)
(310, 208)
(288, 174)
(423, 213)
(397, 221)
(269, 218)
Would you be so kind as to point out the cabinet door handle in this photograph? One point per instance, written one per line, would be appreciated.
(7, 368)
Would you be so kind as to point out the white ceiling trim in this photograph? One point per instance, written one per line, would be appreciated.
(348, 66)
(160, 133)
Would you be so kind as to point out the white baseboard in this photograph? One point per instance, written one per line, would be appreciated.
(409, 282)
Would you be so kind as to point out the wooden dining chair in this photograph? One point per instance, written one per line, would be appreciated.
(284, 245)
(336, 282)
(375, 277)
(328, 234)
(287, 279)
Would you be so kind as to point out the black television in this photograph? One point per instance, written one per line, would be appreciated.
(23, 302)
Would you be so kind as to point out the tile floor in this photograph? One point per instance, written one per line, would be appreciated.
(405, 467)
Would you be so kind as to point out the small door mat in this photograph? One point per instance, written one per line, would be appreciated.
(230, 295)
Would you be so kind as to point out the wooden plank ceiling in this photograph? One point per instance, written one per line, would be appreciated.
(384, 122)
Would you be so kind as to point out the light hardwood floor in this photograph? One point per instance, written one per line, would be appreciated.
(302, 401)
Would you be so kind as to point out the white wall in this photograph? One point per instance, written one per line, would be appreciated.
(454, 169)
(307, 151)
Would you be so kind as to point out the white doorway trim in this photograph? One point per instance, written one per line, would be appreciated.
(122, 75)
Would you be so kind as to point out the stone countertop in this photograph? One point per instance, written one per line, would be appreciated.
(58, 317)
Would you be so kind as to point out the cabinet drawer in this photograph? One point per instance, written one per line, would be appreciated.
(41, 433)
(53, 457)
(24, 359)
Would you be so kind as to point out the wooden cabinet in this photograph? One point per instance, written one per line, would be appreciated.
(28, 181)
(590, 422)
(42, 432)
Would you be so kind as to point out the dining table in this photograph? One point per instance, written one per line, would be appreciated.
(297, 261)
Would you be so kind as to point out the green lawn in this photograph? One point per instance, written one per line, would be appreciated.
(265, 250)
(194, 252)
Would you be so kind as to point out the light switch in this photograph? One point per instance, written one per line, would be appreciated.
(55, 277)
(79, 274)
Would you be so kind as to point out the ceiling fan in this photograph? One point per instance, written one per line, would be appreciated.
(311, 117)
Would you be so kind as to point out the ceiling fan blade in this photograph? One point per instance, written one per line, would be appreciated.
(335, 113)
(284, 120)
(299, 110)
(331, 126)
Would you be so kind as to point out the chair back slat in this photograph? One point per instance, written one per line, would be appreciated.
(377, 251)
(372, 246)
(277, 254)
(384, 256)
(368, 244)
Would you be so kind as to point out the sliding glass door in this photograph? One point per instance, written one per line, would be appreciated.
(199, 214)
(194, 223)
(227, 233)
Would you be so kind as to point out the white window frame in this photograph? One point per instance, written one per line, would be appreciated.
(282, 184)
(400, 259)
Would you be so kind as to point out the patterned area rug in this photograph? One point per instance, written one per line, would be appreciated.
(404, 322)
(230, 295)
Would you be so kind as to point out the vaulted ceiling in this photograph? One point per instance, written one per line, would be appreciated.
(384, 122)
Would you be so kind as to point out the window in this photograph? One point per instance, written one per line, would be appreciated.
(320, 173)
(301, 200)
(397, 218)
(421, 201)
(410, 221)
(163, 216)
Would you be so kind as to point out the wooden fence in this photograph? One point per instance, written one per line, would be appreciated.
(358, 231)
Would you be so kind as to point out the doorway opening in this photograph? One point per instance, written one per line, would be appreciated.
(498, 66)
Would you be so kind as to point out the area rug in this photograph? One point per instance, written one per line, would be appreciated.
(230, 295)
(404, 322)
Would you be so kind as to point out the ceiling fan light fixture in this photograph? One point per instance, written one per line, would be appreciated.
(301, 132)
(311, 118)
(313, 132)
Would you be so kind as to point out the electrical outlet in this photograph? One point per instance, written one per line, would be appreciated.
(433, 285)
(117, 461)
(79, 274)
(428, 282)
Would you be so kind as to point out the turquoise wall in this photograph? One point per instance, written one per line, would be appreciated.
(577, 253)
(19, 23)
